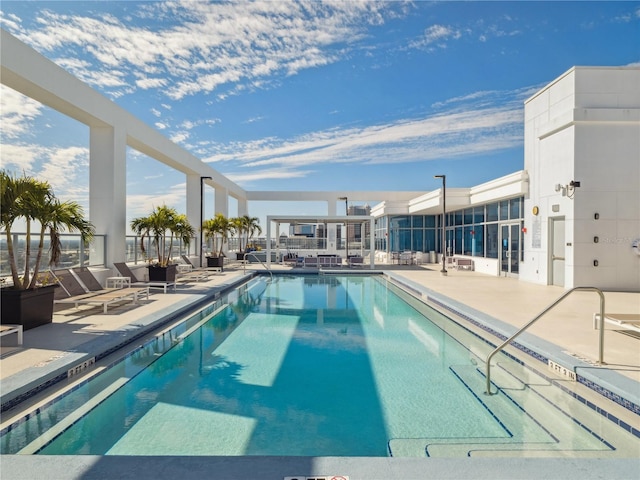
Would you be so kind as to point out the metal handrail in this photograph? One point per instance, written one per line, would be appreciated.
(244, 264)
(522, 329)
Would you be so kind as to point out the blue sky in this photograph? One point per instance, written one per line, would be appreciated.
(306, 95)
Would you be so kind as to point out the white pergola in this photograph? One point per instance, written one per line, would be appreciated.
(326, 219)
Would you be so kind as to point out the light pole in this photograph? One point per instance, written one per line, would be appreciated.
(444, 222)
(346, 227)
(202, 179)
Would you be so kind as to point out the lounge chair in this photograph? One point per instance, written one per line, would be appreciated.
(625, 321)
(101, 297)
(188, 261)
(125, 271)
(92, 285)
(11, 329)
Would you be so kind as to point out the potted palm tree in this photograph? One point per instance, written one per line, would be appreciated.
(217, 230)
(29, 302)
(162, 222)
(246, 227)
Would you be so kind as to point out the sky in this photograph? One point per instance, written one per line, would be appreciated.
(279, 95)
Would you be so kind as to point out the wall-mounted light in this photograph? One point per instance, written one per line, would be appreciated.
(596, 239)
(596, 216)
(595, 263)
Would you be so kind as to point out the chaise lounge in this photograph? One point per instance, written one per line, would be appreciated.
(102, 297)
(125, 271)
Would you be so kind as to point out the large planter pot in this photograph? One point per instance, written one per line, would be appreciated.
(29, 308)
(215, 262)
(162, 274)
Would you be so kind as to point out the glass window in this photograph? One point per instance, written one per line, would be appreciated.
(492, 240)
(467, 239)
(404, 240)
(477, 236)
(430, 240)
(457, 218)
(430, 221)
(492, 212)
(457, 246)
(449, 240)
(400, 222)
(418, 221)
(504, 210)
(418, 241)
(468, 216)
(514, 211)
(478, 214)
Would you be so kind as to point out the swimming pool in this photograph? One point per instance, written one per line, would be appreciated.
(322, 366)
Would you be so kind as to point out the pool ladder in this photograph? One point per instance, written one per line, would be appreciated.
(537, 317)
(244, 263)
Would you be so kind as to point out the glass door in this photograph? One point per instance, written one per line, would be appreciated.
(510, 251)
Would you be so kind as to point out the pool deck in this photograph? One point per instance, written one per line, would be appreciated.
(566, 332)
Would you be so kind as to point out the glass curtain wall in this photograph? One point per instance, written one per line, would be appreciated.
(472, 231)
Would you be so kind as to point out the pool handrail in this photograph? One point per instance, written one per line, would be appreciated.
(244, 263)
(537, 317)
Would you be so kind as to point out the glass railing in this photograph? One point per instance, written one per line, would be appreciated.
(73, 254)
(134, 253)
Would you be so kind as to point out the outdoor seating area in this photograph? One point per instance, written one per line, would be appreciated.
(80, 287)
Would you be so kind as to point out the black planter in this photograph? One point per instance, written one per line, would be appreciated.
(240, 255)
(29, 308)
(215, 262)
(162, 274)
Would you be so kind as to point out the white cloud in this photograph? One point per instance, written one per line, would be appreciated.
(477, 123)
(254, 174)
(17, 113)
(203, 45)
(436, 35)
(62, 167)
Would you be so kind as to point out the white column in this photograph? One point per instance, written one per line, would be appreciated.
(243, 208)
(268, 243)
(372, 239)
(332, 241)
(107, 189)
(221, 201)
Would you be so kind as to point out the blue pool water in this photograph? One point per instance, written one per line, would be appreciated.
(306, 365)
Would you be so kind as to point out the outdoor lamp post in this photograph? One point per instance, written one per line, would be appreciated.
(346, 227)
(202, 179)
(444, 222)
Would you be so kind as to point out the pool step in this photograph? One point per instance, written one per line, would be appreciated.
(531, 412)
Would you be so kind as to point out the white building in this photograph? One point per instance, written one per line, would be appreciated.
(583, 128)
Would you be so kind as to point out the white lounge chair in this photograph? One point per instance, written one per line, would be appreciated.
(125, 271)
(625, 321)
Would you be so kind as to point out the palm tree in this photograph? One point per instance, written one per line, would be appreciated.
(217, 229)
(246, 228)
(34, 201)
(161, 221)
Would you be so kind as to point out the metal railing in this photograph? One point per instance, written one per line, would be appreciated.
(531, 322)
(244, 263)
